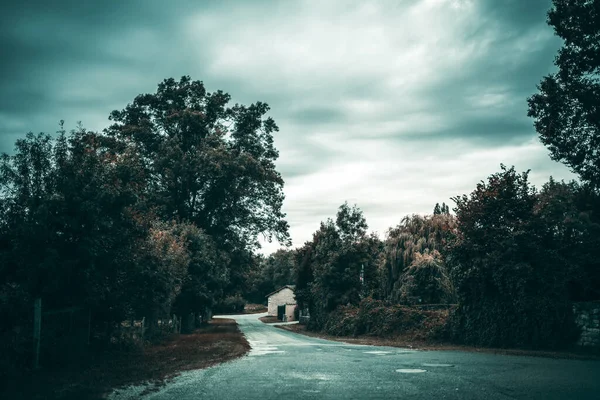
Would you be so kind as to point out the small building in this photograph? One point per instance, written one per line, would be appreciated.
(282, 303)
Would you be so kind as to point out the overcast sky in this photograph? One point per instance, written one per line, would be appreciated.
(392, 105)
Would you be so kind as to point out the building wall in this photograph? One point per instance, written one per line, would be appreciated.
(285, 296)
(587, 317)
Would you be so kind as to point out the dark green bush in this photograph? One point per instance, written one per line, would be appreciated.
(374, 317)
(231, 304)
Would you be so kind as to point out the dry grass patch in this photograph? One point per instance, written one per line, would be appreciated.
(217, 342)
(269, 319)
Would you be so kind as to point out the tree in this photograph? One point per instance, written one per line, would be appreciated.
(416, 242)
(569, 214)
(445, 209)
(426, 280)
(206, 278)
(76, 229)
(351, 223)
(566, 110)
(331, 266)
(208, 163)
(437, 210)
(509, 283)
(272, 272)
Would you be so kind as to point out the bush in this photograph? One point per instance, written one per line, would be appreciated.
(231, 304)
(508, 268)
(374, 317)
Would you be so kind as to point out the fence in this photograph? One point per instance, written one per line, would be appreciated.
(60, 335)
(136, 330)
(63, 335)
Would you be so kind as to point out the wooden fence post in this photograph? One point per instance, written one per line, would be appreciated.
(37, 331)
(89, 335)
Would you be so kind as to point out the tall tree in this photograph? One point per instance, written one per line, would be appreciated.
(208, 163)
(566, 110)
(332, 265)
(510, 284)
(412, 264)
(569, 215)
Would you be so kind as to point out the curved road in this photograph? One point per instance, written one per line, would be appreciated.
(283, 363)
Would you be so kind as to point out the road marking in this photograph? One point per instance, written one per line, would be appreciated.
(378, 352)
(437, 365)
(260, 349)
(410, 370)
(311, 376)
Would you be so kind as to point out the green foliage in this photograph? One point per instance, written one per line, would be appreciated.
(231, 304)
(330, 268)
(412, 268)
(565, 110)
(374, 317)
(159, 214)
(270, 274)
(569, 215)
(208, 163)
(509, 282)
(426, 280)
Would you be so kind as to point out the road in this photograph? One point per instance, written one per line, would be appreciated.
(283, 363)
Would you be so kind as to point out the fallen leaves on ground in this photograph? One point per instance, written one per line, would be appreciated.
(218, 341)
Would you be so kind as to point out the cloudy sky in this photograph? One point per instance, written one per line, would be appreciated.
(392, 105)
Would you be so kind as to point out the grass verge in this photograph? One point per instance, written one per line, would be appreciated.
(407, 342)
(219, 341)
(269, 319)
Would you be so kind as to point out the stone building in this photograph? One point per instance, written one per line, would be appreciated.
(282, 303)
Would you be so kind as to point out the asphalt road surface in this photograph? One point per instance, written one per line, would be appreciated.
(285, 365)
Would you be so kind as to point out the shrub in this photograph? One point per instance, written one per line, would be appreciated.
(374, 317)
(231, 304)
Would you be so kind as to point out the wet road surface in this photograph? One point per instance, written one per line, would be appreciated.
(286, 365)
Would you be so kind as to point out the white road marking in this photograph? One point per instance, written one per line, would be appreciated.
(437, 365)
(410, 370)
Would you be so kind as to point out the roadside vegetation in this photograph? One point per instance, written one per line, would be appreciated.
(97, 374)
(156, 218)
(503, 269)
(153, 219)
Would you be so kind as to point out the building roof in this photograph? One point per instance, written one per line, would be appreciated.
(292, 287)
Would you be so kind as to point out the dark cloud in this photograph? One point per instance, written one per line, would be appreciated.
(372, 98)
(517, 16)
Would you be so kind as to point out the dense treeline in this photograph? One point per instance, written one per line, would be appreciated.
(158, 214)
(512, 258)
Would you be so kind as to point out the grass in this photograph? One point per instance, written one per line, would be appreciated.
(219, 341)
(269, 319)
